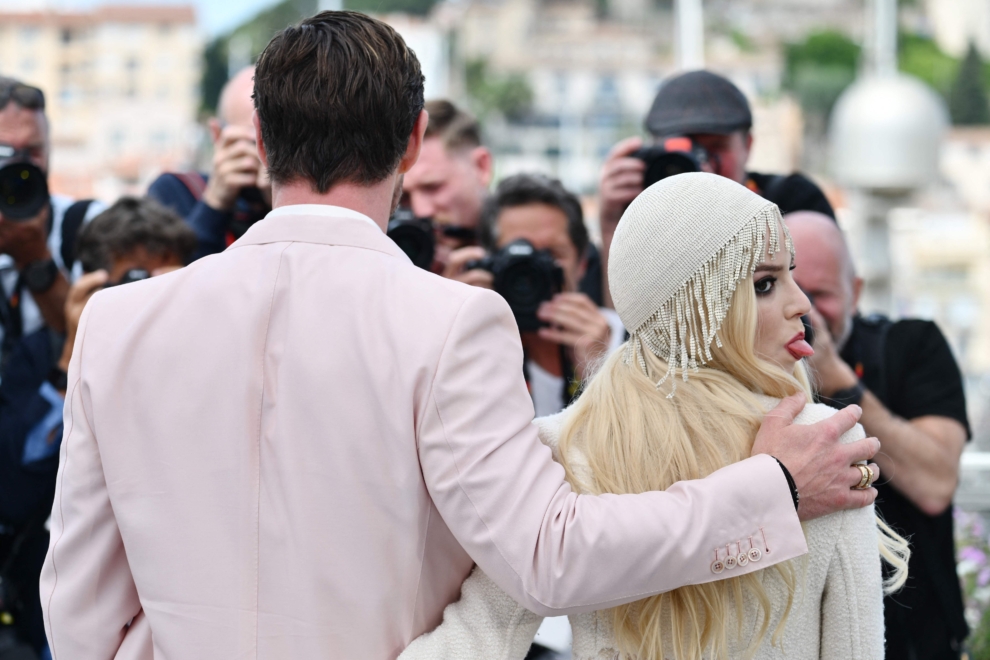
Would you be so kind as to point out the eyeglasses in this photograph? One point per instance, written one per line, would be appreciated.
(29, 98)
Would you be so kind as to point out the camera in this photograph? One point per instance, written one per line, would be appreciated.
(674, 155)
(23, 186)
(413, 235)
(525, 277)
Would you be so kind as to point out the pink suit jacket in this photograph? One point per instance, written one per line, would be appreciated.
(298, 448)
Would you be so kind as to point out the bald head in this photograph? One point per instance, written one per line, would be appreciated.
(824, 269)
(236, 105)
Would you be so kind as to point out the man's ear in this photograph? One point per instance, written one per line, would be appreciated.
(262, 152)
(481, 158)
(857, 290)
(215, 128)
(415, 142)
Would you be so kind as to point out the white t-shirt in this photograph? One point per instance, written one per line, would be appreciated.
(547, 390)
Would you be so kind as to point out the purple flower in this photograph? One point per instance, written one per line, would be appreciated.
(974, 555)
(983, 578)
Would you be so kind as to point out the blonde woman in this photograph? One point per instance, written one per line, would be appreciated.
(700, 271)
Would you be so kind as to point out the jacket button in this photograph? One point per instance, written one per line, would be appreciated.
(742, 559)
(730, 562)
(755, 554)
(717, 566)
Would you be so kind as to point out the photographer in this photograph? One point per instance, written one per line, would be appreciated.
(714, 116)
(904, 377)
(220, 207)
(37, 229)
(131, 240)
(575, 332)
(449, 184)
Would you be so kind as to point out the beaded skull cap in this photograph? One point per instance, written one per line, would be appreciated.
(679, 252)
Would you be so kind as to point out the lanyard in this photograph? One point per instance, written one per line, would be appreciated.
(571, 386)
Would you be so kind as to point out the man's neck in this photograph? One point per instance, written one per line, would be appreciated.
(374, 201)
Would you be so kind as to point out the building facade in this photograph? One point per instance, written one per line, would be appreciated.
(122, 90)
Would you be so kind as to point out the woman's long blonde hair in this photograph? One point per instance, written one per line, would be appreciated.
(636, 439)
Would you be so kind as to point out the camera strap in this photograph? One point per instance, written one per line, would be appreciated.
(570, 387)
(72, 222)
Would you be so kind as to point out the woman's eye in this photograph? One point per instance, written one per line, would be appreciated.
(764, 286)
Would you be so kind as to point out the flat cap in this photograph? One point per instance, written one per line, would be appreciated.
(698, 102)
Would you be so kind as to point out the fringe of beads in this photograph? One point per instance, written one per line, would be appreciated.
(683, 330)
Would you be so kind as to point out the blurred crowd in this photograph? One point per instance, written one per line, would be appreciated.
(527, 239)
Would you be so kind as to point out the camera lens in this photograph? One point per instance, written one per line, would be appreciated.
(416, 240)
(525, 286)
(23, 191)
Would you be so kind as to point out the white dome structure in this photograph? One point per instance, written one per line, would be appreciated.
(885, 133)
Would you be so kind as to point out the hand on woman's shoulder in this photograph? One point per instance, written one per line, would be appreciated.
(814, 413)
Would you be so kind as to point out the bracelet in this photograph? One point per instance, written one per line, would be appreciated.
(847, 397)
(790, 484)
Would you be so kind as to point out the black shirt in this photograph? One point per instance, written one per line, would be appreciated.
(792, 192)
(917, 376)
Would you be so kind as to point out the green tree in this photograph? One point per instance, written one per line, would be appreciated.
(509, 95)
(419, 7)
(819, 68)
(260, 29)
(968, 94)
(921, 57)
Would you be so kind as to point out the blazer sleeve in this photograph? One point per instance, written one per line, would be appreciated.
(485, 623)
(556, 552)
(852, 624)
(87, 593)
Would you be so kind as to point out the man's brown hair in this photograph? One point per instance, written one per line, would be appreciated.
(337, 97)
(131, 223)
(456, 128)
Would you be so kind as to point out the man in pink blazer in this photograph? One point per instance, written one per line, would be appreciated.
(298, 448)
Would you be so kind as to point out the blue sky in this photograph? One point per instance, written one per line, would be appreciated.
(214, 16)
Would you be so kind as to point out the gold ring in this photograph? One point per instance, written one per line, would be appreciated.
(864, 483)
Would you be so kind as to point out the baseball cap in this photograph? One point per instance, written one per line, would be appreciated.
(698, 102)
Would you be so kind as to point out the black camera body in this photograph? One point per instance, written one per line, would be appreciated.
(525, 277)
(673, 155)
(133, 275)
(23, 186)
(414, 236)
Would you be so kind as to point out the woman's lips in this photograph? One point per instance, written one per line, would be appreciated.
(799, 348)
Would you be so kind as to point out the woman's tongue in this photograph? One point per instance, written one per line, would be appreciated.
(799, 348)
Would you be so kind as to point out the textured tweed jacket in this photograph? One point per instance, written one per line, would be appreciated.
(837, 612)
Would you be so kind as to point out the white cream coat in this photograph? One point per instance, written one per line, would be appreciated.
(837, 613)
